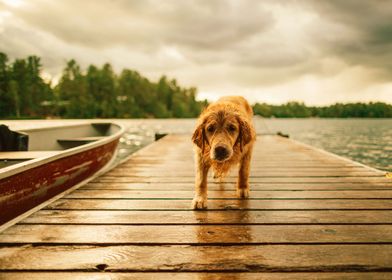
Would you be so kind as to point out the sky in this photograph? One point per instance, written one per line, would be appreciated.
(274, 51)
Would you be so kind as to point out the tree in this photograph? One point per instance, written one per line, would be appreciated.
(7, 106)
(74, 100)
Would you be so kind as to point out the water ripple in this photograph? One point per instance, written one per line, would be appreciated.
(368, 141)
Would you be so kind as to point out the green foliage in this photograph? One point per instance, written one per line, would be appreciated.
(94, 93)
(7, 102)
(338, 110)
(21, 87)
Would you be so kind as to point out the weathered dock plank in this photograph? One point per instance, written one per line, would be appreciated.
(310, 215)
(196, 234)
(224, 194)
(264, 258)
(286, 204)
(195, 276)
(249, 217)
(174, 187)
(253, 180)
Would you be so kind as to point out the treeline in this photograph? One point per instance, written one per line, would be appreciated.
(338, 110)
(101, 93)
(92, 93)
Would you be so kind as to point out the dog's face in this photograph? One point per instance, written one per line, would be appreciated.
(222, 131)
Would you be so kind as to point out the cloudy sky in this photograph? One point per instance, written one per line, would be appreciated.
(319, 52)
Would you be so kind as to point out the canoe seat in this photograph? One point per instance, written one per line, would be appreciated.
(26, 154)
(68, 143)
(81, 139)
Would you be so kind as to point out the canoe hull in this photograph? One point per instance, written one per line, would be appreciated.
(25, 190)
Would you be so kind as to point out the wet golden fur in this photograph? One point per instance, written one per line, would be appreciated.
(227, 124)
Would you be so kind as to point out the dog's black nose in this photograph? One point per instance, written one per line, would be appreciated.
(221, 153)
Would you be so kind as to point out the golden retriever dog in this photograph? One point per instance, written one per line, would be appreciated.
(223, 138)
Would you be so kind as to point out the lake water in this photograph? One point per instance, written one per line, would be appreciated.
(368, 141)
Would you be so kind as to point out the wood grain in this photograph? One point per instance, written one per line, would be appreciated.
(267, 258)
(254, 174)
(141, 179)
(196, 234)
(175, 187)
(210, 217)
(129, 194)
(124, 204)
(194, 276)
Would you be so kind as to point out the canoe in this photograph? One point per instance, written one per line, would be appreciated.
(38, 164)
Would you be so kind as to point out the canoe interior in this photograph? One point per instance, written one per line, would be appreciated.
(44, 142)
(66, 137)
(9, 162)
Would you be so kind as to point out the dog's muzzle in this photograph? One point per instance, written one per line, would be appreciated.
(221, 153)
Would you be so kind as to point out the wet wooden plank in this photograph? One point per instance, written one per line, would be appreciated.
(174, 187)
(255, 167)
(288, 149)
(160, 157)
(294, 258)
(124, 204)
(254, 173)
(257, 174)
(194, 276)
(153, 172)
(278, 179)
(129, 194)
(195, 234)
(147, 163)
(209, 217)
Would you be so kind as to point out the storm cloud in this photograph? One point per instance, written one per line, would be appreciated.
(319, 52)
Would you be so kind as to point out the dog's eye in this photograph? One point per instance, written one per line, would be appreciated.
(211, 128)
(231, 128)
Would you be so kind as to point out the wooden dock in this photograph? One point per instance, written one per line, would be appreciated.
(310, 215)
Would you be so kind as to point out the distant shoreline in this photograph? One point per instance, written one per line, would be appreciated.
(256, 116)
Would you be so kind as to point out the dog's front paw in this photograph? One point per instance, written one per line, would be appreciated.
(243, 193)
(199, 202)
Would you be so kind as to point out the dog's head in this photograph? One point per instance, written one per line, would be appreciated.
(222, 130)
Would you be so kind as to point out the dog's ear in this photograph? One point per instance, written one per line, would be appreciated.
(245, 132)
(198, 136)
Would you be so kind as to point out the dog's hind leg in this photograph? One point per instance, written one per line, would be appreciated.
(243, 175)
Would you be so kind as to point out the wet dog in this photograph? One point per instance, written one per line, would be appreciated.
(223, 138)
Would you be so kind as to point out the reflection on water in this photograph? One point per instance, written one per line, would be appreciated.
(135, 137)
(368, 141)
(213, 232)
(365, 140)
